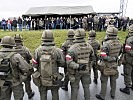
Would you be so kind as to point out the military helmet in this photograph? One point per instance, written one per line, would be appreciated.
(130, 29)
(92, 33)
(111, 21)
(112, 31)
(70, 32)
(80, 33)
(47, 35)
(7, 41)
(18, 38)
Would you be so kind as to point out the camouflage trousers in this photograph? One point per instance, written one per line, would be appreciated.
(6, 91)
(104, 80)
(66, 79)
(95, 71)
(28, 85)
(128, 74)
(43, 92)
(85, 80)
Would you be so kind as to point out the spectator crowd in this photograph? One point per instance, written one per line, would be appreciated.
(98, 23)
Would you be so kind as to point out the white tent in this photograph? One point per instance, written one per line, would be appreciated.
(59, 10)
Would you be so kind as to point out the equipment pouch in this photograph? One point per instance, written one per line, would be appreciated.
(36, 78)
(101, 65)
(46, 82)
(109, 71)
(72, 78)
(85, 62)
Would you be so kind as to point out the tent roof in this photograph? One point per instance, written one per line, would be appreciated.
(59, 10)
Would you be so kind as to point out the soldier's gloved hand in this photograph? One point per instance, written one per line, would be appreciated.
(82, 67)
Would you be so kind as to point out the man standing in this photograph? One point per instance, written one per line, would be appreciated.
(12, 69)
(47, 60)
(20, 24)
(128, 62)
(109, 54)
(14, 24)
(25, 53)
(65, 46)
(78, 59)
(96, 46)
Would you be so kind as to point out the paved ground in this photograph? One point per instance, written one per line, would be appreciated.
(94, 89)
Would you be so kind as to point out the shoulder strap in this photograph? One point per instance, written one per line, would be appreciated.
(10, 55)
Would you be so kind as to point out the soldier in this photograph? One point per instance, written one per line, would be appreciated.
(47, 60)
(96, 46)
(109, 54)
(78, 58)
(25, 53)
(13, 70)
(65, 46)
(128, 62)
(111, 24)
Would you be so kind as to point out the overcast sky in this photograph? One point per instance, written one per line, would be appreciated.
(11, 8)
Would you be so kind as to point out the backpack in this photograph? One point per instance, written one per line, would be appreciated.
(46, 67)
(5, 65)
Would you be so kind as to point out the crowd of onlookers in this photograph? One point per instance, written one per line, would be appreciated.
(98, 23)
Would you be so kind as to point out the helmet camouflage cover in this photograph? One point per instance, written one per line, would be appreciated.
(70, 32)
(7, 41)
(112, 31)
(47, 35)
(92, 33)
(80, 33)
(18, 38)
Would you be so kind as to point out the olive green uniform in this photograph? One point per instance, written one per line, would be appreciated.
(57, 60)
(128, 62)
(25, 53)
(96, 46)
(18, 64)
(78, 54)
(65, 46)
(112, 49)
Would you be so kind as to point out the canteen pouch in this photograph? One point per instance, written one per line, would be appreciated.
(36, 78)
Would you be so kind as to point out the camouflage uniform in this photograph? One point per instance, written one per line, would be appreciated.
(58, 61)
(18, 67)
(25, 53)
(109, 54)
(78, 58)
(65, 46)
(128, 62)
(96, 46)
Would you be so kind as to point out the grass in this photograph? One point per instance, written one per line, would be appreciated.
(32, 39)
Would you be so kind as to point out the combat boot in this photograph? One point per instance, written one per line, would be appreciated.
(125, 90)
(64, 87)
(99, 97)
(113, 97)
(31, 95)
(95, 80)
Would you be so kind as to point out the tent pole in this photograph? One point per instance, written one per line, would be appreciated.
(70, 21)
(45, 21)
